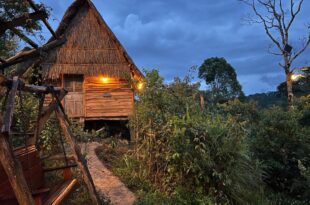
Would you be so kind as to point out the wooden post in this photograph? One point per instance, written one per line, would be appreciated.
(79, 158)
(202, 102)
(10, 165)
(43, 117)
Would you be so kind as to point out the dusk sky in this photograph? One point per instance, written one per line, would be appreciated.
(174, 35)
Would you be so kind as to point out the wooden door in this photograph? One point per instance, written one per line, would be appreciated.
(74, 100)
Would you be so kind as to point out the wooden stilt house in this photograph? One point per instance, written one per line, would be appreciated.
(92, 65)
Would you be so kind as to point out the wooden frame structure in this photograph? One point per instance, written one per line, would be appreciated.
(25, 59)
(12, 166)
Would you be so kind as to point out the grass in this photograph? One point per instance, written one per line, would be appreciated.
(115, 155)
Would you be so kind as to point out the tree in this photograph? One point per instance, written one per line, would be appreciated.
(277, 18)
(10, 11)
(222, 79)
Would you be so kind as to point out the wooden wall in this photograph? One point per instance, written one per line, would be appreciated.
(99, 100)
(113, 98)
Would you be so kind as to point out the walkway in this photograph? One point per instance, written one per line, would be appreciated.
(105, 181)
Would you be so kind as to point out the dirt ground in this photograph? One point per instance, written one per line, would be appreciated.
(105, 181)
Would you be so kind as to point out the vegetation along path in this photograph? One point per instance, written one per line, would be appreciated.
(105, 181)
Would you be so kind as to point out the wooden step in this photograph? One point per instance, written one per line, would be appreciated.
(57, 196)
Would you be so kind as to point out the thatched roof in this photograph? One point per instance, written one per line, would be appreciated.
(91, 47)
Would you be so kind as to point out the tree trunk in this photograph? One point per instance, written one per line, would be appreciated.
(289, 85)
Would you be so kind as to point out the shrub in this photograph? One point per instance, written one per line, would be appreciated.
(283, 145)
(181, 150)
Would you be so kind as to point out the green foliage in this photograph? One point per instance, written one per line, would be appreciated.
(183, 150)
(231, 153)
(82, 135)
(245, 113)
(269, 99)
(222, 79)
(24, 117)
(8, 11)
(283, 145)
(303, 105)
(49, 139)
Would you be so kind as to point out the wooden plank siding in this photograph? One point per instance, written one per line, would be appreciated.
(98, 100)
(113, 98)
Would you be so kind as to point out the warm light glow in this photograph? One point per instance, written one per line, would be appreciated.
(295, 77)
(140, 86)
(104, 79)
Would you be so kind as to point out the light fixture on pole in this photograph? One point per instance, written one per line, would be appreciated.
(288, 48)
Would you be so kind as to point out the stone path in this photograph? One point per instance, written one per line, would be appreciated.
(105, 181)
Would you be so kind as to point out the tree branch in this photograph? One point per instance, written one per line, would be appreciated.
(266, 27)
(294, 14)
(301, 50)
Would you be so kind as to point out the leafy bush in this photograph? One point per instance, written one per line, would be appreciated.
(283, 146)
(180, 149)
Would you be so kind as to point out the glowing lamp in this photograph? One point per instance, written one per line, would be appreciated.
(104, 79)
(140, 86)
(295, 77)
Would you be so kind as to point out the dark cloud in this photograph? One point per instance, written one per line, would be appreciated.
(177, 34)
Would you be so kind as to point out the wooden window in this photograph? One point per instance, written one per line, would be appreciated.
(73, 83)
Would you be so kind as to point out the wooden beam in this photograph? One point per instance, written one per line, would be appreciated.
(59, 195)
(24, 37)
(9, 163)
(33, 5)
(29, 87)
(33, 53)
(43, 117)
(79, 158)
(22, 20)
(38, 88)
(14, 172)
(9, 108)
